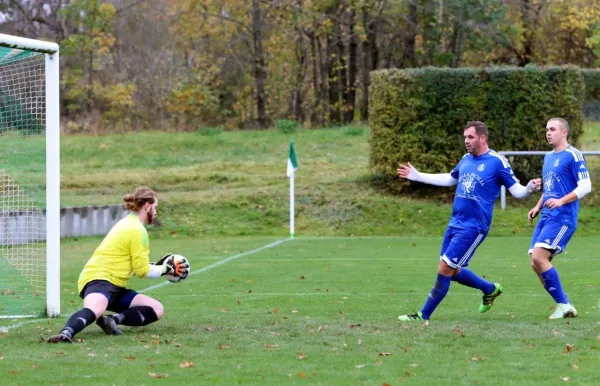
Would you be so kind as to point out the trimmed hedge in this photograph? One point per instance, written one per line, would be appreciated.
(591, 105)
(417, 115)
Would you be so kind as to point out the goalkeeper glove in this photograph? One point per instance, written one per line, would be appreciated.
(166, 263)
(181, 268)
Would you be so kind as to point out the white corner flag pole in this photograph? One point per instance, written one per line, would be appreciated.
(292, 165)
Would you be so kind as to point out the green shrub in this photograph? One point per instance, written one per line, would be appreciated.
(417, 115)
(287, 126)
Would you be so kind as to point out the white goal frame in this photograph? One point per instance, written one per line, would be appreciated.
(528, 153)
(51, 51)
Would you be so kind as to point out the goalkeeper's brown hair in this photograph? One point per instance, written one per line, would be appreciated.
(136, 200)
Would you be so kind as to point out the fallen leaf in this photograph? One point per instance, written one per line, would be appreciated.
(294, 311)
(35, 366)
(458, 331)
(569, 347)
(302, 375)
(564, 379)
(575, 366)
(414, 365)
(275, 310)
(359, 366)
(130, 358)
(209, 328)
(268, 345)
(355, 325)
(238, 301)
(157, 376)
(404, 349)
(222, 347)
(477, 359)
(13, 372)
(379, 363)
(224, 309)
(302, 277)
(384, 354)
(186, 364)
(385, 383)
(301, 355)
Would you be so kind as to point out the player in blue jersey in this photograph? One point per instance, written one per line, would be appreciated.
(479, 176)
(566, 180)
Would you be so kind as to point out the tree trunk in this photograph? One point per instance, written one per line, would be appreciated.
(324, 64)
(370, 60)
(259, 65)
(314, 117)
(350, 94)
(410, 36)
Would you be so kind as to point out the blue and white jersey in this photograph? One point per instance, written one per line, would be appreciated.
(560, 175)
(479, 181)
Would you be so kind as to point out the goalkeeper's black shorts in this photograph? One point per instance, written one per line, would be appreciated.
(119, 298)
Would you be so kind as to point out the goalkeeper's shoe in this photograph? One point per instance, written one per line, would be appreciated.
(60, 338)
(488, 300)
(411, 317)
(108, 325)
(563, 311)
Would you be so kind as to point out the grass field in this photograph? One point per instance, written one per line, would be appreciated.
(320, 309)
(323, 311)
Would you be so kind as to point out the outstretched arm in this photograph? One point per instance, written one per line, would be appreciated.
(520, 191)
(441, 179)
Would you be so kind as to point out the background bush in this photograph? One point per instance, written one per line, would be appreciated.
(417, 115)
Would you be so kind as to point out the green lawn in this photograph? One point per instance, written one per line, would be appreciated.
(323, 311)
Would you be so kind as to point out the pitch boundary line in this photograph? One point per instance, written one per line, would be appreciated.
(166, 282)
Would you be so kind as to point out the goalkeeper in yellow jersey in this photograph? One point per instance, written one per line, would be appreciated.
(103, 281)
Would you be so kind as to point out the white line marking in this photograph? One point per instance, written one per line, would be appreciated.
(218, 263)
(166, 282)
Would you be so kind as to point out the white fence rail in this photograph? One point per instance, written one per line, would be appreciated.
(528, 153)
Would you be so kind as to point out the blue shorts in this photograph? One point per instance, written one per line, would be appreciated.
(459, 245)
(119, 298)
(551, 234)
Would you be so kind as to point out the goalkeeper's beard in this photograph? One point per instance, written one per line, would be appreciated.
(150, 218)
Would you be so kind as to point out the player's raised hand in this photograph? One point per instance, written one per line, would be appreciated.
(533, 213)
(408, 171)
(534, 185)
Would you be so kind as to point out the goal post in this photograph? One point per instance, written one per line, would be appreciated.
(29, 178)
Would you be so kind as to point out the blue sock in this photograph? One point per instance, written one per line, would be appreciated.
(437, 294)
(470, 279)
(553, 286)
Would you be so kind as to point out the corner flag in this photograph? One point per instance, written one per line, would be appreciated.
(292, 164)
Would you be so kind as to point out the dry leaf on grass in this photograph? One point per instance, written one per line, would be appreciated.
(564, 379)
(222, 347)
(186, 364)
(359, 366)
(301, 355)
(384, 354)
(302, 375)
(157, 376)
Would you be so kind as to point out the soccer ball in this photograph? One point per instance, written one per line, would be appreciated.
(178, 278)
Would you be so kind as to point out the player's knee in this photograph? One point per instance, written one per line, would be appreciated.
(158, 310)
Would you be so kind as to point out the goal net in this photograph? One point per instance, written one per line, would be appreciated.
(29, 178)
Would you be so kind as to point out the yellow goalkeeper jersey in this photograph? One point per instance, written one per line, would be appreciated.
(124, 251)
